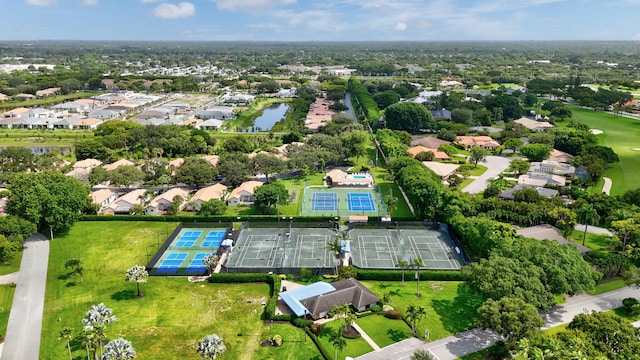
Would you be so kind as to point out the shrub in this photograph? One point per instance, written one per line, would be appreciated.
(301, 322)
(277, 339)
(631, 306)
(396, 275)
(317, 328)
(393, 314)
(376, 308)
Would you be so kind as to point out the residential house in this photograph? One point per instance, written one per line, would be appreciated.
(163, 201)
(318, 114)
(24, 97)
(216, 191)
(174, 165)
(159, 112)
(66, 123)
(243, 194)
(548, 232)
(238, 98)
(104, 114)
(217, 112)
(542, 179)
(485, 142)
(87, 124)
(212, 159)
(431, 142)
(123, 204)
(533, 125)
(542, 191)
(87, 164)
(15, 113)
(337, 177)
(104, 197)
(437, 155)
(317, 300)
(210, 124)
(72, 107)
(441, 169)
(443, 113)
(47, 92)
(553, 167)
(3, 97)
(117, 164)
(560, 156)
(8, 122)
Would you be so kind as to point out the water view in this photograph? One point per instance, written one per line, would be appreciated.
(270, 116)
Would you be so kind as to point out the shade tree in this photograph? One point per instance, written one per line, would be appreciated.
(137, 274)
(211, 346)
(512, 318)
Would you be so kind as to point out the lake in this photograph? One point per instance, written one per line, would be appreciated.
(270, 116)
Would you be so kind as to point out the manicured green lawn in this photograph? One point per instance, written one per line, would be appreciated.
(12, 265)
(471, 170)
(164, 324)
(295, 344)
(354, 348)
(383, 331)
(450, 305)
(622, 135)
(607, 285)
(6, 300)
(593, 241)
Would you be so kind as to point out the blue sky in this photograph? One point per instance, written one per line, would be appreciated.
(319, 20)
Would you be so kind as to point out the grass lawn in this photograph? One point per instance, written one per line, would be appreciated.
(621, 134)
(12, 265)
(295, 344)
(450, 305)
(471, 170)
(164, 324)
(245, 119)
(44, 138)
(383, 331)
(607, 285)
(593, 241)
(354, 348)
(6, 300)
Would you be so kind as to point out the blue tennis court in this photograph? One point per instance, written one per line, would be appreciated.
(171, 263)
(188, 238)
(360, 202)
(324, 201)
(214, 238)
(196, 265)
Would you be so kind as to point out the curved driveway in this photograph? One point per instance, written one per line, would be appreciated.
(495, 166)
(606, 188)
(25, 320)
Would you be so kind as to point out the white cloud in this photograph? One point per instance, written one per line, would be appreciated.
(41, 2)
(400, 26)
(251, 6)
(90, 2)
(172, 11)
(150, 1)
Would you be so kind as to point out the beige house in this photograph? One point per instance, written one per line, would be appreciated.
(337, 177)
(533, 125)
(123, 204)
(203, 195)
(485, 142)
(104, 197)
(212, 159)
(163, 201)
(441, 169)
(117, 164)
(174, 165)
(243, 194)
(437, 155)
(87, 164)
(542, 179)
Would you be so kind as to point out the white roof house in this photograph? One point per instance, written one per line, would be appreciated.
(86, 164)
(217, 112)
(72, 107)
(117, 164)
(441, 169)
(553, 167)
(238, 98)
(164, 200)
(534, 125)
(104, 197)
(243, 194)
(211, 124)
(104, 114)
(123, 204)
(542, 179)
(205, 194)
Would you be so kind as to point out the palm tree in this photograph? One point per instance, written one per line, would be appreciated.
(211, 346)
(90, 341)
(403, 264)
(418, 263)
(338, 342)
(588, 216)
(66, 334)
(211, 261)
(391, 202)
(95, 322)
(138, 274)
(119, 349)
(413, 315)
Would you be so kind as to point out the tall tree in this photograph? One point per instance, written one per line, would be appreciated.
(211, 346)
(409, 116)
(50, 199)
(269, 195)
(137, 274)
(403, 264)
(119, 349)
(196, 172)
(418, 263)
(625, 230)
(338, 342)
(267, 164)
(66, 334)
(587, 215)
(478, 154)
(510, 317)
(413, 315)
(211, 261)
(95, 323)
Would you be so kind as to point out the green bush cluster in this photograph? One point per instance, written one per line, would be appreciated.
(193, 219)
(240, 278)
(301, 323)
(396, 275)
(393, 314)
(325, 353)
(368, 105)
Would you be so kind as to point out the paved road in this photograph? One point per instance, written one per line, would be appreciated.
(606, 188)
(25, 320)
(495, 166)
(593, 230)
(468, 342)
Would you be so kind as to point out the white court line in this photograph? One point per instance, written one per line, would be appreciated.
(392, 250)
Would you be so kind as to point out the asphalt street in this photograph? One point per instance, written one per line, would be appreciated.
(495, 166)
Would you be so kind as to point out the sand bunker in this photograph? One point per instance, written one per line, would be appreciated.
(596, 131)
(636, 149)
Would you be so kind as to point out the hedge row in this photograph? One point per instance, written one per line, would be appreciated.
(188, 219)
(396, 275)
(325, 353)
(241, 278)
(368, 105)
(275, 284)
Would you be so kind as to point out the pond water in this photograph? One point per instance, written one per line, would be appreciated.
(269, 117)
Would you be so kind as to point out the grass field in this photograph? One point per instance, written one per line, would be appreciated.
(295, 344)
(164, 324)
(11, 266)
(593, 241)
(450, 305)
(354, 348)
(383, 331)
(6, 300)
(43, 138)
(607, 285)
(622, 135)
